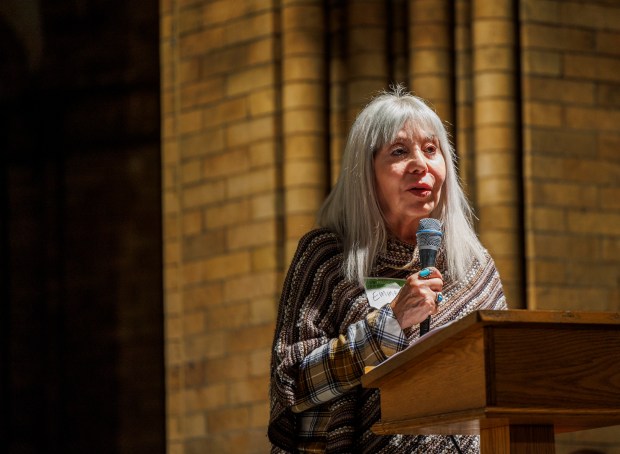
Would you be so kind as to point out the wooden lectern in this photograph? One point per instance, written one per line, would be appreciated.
(514, 377)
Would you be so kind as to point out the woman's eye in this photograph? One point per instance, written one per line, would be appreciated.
(430, 149)
(398, 152)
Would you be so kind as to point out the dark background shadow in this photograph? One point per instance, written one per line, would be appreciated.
(81, 335)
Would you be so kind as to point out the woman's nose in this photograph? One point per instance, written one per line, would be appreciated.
(417, 163)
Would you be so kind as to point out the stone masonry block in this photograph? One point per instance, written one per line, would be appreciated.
(307, 68)
(250, 390)
(250, 339)
(262, 311)
(497, 190)
(228, 163)
(304, 121)
(203, 194)
(495, 111)
(431, 61)
(248, 132)
(264, 153)
(592, 119)
(205, 397)
(503, 163)
(560, 141)
(251, 235)
(228, 213)
(602, 222)
(265, 206)
(191, 171)
(303, 42)
(205, 244)
(502, 217)
(259, 181)
(262, 102)
(249, 28)
(607, 42)
(304, 173)
(191, 222)
(368, 64)
(497, 9)
(560, 194)
(566, 91)
(495, 138)
(200, 93)
(203, 295)
(494, 59)
(226, 419)
(429, 35)
(190, 121)
(366, 39)
(222, 11)
(299, 95)
(202, 143)
(251, 286)
(540, 37)
(543, 219)
(303, 15)
(264, 259)
(203, 346)
(570, 169)
(495, 32)
(303, 199)
(421, 11)
(230, 317)
(366, 13)
(542, 62)
(244, 81)
(201, 43)
(543, 114)
(490, 84)
(592, 67)
(226, 266)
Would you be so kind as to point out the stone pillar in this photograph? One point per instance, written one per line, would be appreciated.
(304, 116)
(430, 58)
(496, 138)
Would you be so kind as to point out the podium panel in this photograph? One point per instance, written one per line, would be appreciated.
(506, 375)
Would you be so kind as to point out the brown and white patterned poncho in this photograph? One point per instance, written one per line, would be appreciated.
(326, 334)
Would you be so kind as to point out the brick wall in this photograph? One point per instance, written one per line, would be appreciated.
(222, 218)
(257, 99)
(570, 53)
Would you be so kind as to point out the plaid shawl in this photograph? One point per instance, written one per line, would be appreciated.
(317, 308)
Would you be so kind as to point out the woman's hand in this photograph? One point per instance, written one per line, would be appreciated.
(417, 299)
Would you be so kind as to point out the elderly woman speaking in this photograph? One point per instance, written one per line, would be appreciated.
(398, 168)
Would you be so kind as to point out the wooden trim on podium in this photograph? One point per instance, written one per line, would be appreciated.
(506, 375)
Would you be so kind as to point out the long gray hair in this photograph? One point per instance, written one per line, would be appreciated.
(352, 209)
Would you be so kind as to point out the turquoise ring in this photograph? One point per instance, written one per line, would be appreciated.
(426, 272)
(439, 298)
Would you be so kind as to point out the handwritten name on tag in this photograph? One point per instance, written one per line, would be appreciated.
(381, 291)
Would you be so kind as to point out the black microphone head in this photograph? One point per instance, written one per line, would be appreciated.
(429, 234)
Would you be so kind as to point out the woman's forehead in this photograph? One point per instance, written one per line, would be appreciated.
(411, 130)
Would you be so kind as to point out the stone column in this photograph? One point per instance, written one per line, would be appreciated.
(304, 116)
(496, 139)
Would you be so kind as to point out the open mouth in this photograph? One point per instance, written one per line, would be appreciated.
(420, 190)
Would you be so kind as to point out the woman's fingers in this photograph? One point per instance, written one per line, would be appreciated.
(418, 298)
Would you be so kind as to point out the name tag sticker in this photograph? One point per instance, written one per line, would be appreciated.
(381, 291)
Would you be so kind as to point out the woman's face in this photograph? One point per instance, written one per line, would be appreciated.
(409, 176)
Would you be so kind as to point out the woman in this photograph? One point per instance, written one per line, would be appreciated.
(398, 167)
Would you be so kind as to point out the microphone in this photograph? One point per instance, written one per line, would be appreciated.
(429, 238)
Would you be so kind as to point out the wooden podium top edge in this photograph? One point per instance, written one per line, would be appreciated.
(528, 316)
(477, 319)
